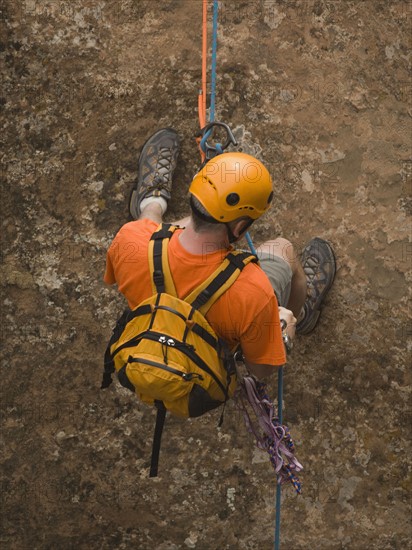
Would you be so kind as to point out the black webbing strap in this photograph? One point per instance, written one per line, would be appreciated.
(142, 310)
(162, 233)
(158, 236)
(158, 276)
(238, 259)
(236, 262)
(207, 337)
(160, 421)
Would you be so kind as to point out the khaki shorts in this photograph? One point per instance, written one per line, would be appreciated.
(279, 273)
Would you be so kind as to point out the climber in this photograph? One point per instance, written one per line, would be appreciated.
(227, 195)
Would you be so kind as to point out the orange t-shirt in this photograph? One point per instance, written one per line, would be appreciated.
(247, 313)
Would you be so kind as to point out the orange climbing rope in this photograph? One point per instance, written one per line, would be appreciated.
(201, 100)
(203, 90)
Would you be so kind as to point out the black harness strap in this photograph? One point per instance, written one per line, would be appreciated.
(239, 259)
(158, 276)
(236, 262)
(160, 421)
(158, 237)
(163, 233)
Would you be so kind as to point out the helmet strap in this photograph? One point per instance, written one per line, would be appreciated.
(232, 238)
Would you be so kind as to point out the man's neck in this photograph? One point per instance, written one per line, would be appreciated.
(202, 243)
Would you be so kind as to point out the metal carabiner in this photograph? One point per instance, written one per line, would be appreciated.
(285, 337)
(216, 149)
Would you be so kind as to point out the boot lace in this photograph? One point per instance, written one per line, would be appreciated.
(164, 164)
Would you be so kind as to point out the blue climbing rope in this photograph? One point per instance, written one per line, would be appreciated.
(212, 108)
(250, 244)
(278, 486)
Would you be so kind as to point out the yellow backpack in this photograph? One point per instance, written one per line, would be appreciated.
(165, 350)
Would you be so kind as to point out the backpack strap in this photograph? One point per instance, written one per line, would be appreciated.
(157, 437)
(205, 295)
(162, 280)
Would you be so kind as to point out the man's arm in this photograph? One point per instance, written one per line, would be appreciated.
(263, 371)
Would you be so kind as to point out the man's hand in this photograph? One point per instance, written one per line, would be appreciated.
(290, 319)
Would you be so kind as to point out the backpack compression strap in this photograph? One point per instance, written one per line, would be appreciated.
(205, 295)
(162, 280)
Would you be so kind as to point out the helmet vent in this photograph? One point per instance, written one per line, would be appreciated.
(211, 183)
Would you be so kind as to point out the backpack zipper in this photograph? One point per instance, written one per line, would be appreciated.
(187, 376)
(189, 352)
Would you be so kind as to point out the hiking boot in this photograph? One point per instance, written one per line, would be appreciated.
(157, 162)
(319, 265)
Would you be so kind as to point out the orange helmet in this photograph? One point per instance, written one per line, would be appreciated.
(232, 185)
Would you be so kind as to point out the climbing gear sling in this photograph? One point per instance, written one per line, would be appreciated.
(269, 432)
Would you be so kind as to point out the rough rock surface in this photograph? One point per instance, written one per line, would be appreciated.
(321, 91)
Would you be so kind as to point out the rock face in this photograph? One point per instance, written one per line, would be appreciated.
(321, 91)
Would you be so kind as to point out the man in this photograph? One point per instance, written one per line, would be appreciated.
(226, 197)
